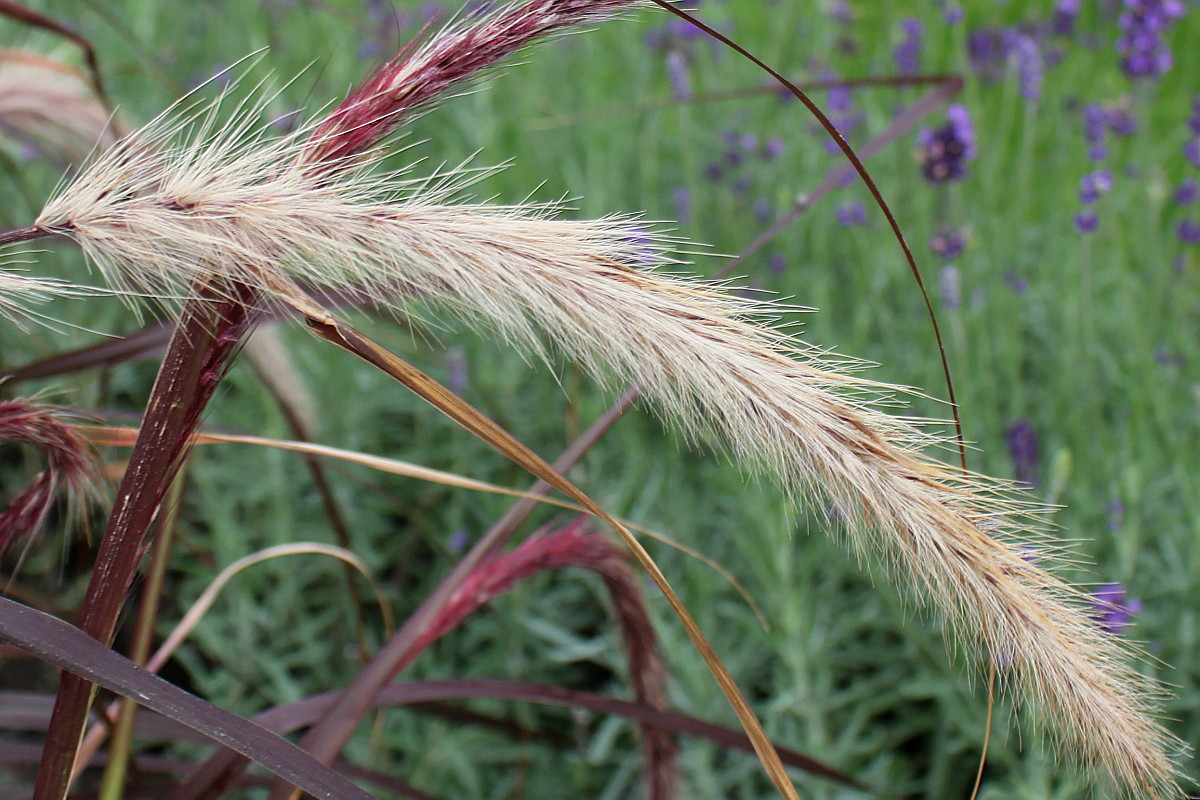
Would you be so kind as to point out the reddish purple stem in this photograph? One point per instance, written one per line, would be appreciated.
(419, 74)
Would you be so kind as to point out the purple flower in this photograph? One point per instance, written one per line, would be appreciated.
(1095, 184)
(1116, 515)
(772, 148)
(1065, 12)
(777, 264)
(1188, 231)
(945, 150)
(713, 172)
(852, 213)
(841, 111)
(370, 49)
(907, 54)
(1112, 608)
(1018, 283)
(840, 97)
(458, 377)
(1143, 52)
(986, 50)
(678, 76)
(952, 13)
(1026, 56)
(948, 243)
(1095, 125)
(1194, 119)
(840, 11)
(458, 541)
(683, 204)
(950, 288)
(762, 209)
(1023, 449)
(674, 34)
(1165, 358)
(1191, 151)
(286, 122)
(1122, 122)
(1187, 193)
(1087, 221)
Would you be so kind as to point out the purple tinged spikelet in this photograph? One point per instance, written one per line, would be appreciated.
(422, 73)
(573, 546)
(70, 465)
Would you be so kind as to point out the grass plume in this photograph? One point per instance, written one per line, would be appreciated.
(70, 465)
(53, 108)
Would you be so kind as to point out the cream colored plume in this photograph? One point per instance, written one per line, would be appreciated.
(53, 107)
(244, 208)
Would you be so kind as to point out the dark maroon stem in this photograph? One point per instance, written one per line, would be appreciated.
(208, 336)
(24, 235)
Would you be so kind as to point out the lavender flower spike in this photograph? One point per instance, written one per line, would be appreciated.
(945, 151)
(1112, 609)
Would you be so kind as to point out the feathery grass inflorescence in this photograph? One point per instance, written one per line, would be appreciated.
(20, 292)
(573, 546)
(229, 208)
(53, 108)
(460, 55)
(70, 465)
(243, 211)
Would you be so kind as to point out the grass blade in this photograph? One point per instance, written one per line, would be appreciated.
(66, 647)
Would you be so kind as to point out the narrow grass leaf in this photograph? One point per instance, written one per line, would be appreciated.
(68, 648)
(201, 606)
